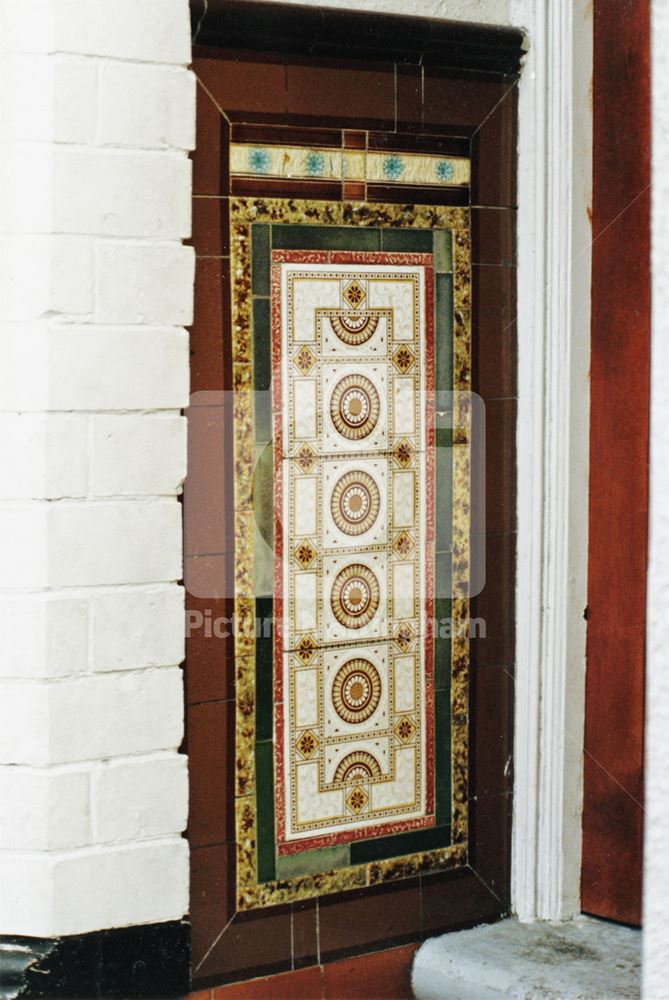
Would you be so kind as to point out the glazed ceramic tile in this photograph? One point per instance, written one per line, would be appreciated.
(324, 163)
(353, 364)
(340, 545)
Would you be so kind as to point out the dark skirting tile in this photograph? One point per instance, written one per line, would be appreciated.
(305, 933)
(211, 226)
(491, 734)
(209, 735)
(494, 155)
(494, 236)
(490, 852)
(243, 83)
(253, 945)
(276, 187)
(456, 899)
(210, 347)
(208, 171)
(211, 896)
(346, 91)
(284, 135)
(354, 139)
(208, 495)
(409, 100)
(444, 145)
(500, 467)
(210, 674)
(405, 195)
(354, 191)
(494, 331)
(459, 99)
(385, 975)
(370, 920)
(495, 605)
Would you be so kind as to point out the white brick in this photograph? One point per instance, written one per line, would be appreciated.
(58, 99)
(137, 453)
(44, 809)
(114, 193)
(63, 189)
(73, 892)
(137, 283)
(84, 718)
(137, 798)
(69, 367)
(43, 635)
(133, 628)
(104, 542)
(43, 455)
(45, 274)
(114, 542)
(151, 30)
(146, 106)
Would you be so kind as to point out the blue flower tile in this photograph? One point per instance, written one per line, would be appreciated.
(259, 161)
(393, 167)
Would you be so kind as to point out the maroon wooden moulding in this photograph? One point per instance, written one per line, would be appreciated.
(259, 94)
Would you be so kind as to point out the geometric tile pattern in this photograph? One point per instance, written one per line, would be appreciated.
(353, 369)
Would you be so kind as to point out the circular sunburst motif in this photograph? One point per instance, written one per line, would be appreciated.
(355, 503)
(356, 690)
(354, 328)
(355, 407)
(355, 596)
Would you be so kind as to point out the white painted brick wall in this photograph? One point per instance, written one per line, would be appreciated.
(96, 117)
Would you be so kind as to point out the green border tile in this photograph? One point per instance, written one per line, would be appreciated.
(442, 756)
(264, 671)
(401, 843)
(443, 251)
(260, 259)
(312, 862)
(407, 240)
(444, 332)
(288, 237)
(265, 839)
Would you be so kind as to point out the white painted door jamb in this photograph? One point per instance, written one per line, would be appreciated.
(554, 184)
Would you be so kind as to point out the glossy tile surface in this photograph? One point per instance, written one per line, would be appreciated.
(339, 319)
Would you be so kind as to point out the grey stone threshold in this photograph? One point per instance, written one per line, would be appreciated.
(582, 960)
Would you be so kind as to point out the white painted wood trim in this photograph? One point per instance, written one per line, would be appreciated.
(554, 183)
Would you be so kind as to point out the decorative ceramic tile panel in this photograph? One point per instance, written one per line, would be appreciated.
(325, 163)
(349, 322)
(353, 349)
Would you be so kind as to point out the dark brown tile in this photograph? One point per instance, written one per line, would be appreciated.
(305, 933)
(494, 149)
(494, 236)
(207, 350)
(409, 105)
(284, 135)
(272, 187)
(459, 101)
(251, 947)
(446, 145)
(209, 735)
(349, 92)
(500, 466)
(200, 995)
(374, 919)
(209, 652)
(490, 857)
(353, 191)
(456, 900)
(211, 897)
(208, 176)
(418, 195)
(494, 331)
(208, 494)
(211, 226)
(385, 975)
(495, 605)
(241, 83)
(209, 577)
(303, 984)
(354, 140)
(491, 756)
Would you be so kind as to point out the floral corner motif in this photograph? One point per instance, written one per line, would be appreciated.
(444, 170)
(315, 164)
(259, 161)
